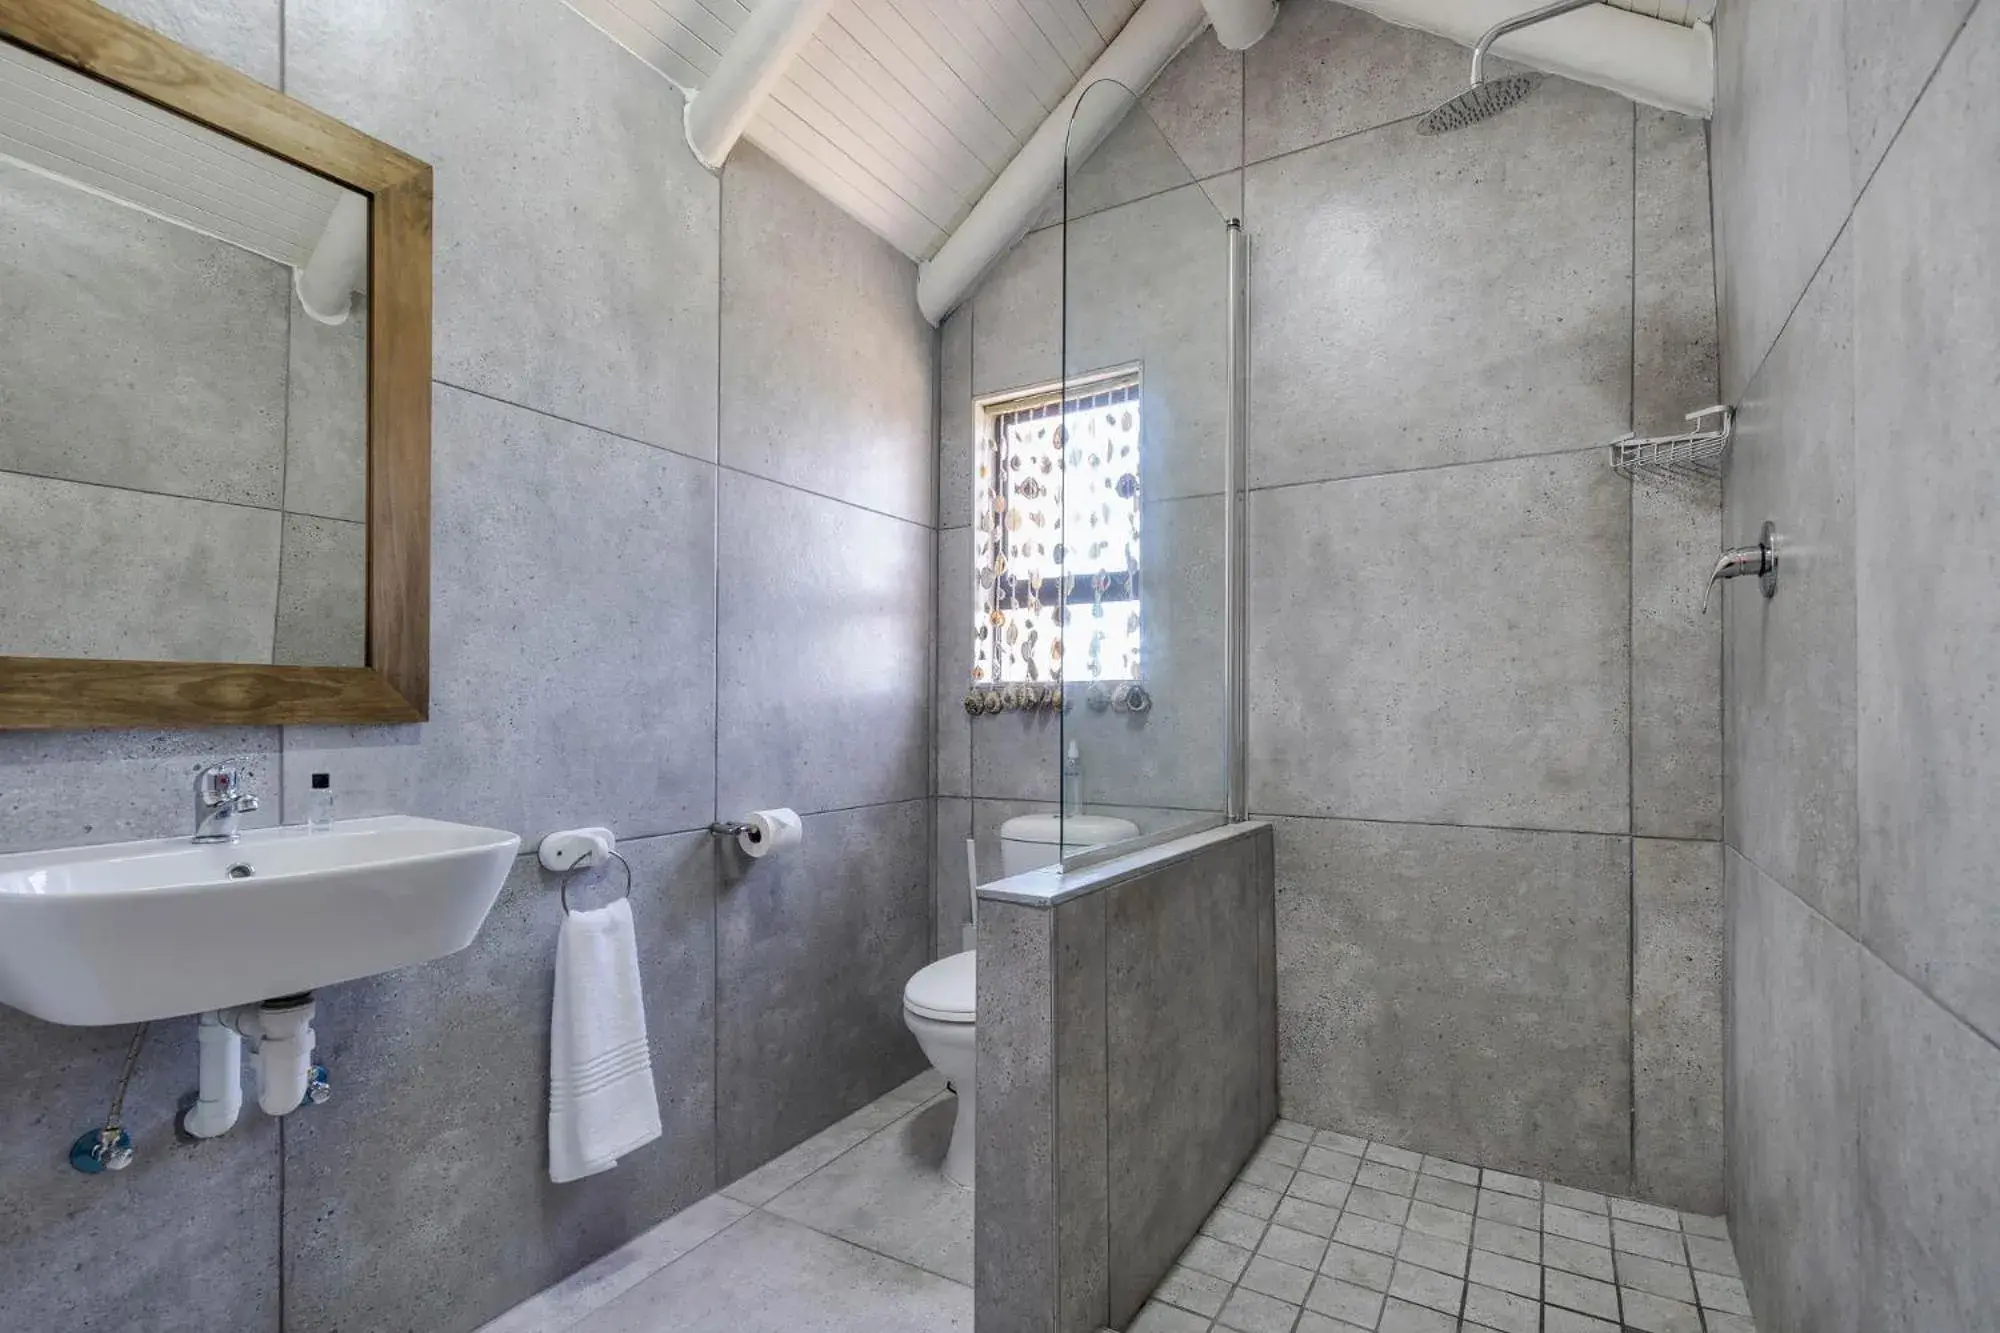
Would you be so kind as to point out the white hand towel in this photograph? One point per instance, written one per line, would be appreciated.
(601, 1099)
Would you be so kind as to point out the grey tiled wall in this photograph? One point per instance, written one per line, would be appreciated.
(184, 466)
(1857, 220)
(1127, 1069)
(1484, 706)
(638, 368)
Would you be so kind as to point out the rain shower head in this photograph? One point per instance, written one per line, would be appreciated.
(1477, 103)
(1489, 97)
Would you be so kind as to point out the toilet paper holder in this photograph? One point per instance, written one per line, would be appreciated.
(729, 828)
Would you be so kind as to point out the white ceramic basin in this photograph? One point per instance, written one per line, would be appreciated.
(141, 930)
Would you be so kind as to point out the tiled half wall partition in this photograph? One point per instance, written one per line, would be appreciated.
(1127, 1067)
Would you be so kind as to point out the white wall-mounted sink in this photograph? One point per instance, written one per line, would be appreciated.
(143, 930)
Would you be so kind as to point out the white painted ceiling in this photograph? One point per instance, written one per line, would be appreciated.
(900, 111)
(68, 125)
(904, 111)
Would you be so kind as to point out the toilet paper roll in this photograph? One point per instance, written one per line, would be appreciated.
(770, 831)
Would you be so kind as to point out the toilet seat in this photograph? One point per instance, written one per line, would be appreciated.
(946, 991)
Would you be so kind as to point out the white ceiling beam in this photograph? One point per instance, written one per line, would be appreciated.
(1241, 24)
(1150, 38)
(758, 55)
(1663, 64)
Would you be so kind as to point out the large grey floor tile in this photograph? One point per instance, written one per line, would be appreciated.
(559, 1307)
(1401, 667)
(767, 1275)
(1461, 991)
(1376, 254)
(890, 1195)
(1927, 548)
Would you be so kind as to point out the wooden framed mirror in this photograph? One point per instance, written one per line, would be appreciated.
(215, 395)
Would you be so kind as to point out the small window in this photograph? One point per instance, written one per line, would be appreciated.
(1056, 604)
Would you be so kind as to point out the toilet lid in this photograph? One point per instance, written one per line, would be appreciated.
(944, 991)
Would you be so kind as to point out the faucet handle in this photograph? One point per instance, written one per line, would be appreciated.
(1761, 560)
(218, 783)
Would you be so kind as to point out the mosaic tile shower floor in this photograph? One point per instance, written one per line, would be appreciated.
(1326, 1233)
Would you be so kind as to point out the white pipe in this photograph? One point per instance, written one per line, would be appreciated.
(284, 1058)
(221, 1096)
(338, 264)
(1150, 38)
(1646, 59)
(717, 115)
(1241, 24)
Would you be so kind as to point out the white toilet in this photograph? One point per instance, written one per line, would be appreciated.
(938, 1002)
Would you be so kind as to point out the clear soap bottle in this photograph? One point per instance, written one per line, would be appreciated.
(319, 804)
(1072, 780)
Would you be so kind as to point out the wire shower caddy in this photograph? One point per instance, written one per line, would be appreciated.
(1694, 455)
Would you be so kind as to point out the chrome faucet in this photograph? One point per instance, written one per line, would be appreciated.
(1735, 562)
(218, 799)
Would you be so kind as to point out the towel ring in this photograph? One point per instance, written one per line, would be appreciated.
(564, 886)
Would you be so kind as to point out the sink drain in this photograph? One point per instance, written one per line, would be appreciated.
(240, 870)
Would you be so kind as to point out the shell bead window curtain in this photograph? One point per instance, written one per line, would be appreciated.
(1057, 543)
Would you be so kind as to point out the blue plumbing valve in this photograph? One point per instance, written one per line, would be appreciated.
(319, 1086)
(101, 1150)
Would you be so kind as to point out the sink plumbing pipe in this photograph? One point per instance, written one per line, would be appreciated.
(281, 1047)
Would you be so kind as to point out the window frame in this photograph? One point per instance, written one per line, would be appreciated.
(994, 413)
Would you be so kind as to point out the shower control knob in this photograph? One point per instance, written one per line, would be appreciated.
(319, 1086)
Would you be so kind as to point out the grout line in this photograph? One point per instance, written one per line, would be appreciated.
(715, 463)
(1428, 467)
(280, 1192)
(1490, 828)
(1858, 943)
(717, 860)
(1632, 720)
(284, 470)
(278, 508)
(1847, 218)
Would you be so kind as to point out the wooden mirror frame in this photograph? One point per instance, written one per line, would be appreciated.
(52, 693)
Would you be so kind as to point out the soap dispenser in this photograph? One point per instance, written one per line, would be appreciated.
(319, 805)
(1072, 780)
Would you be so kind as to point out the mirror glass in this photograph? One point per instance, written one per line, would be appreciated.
(183, 387)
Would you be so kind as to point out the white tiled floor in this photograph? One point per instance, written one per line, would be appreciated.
(1324, 1233)
(853, 1231)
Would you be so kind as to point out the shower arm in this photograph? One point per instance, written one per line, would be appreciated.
(1505, 26)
